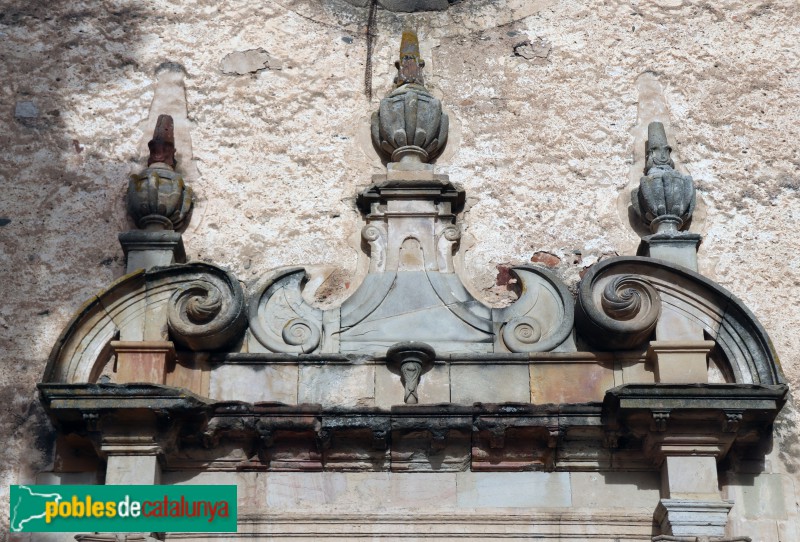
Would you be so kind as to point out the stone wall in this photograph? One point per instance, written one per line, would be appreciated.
(549, 104)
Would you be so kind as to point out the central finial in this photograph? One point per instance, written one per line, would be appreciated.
(409, 67)
(410, 126)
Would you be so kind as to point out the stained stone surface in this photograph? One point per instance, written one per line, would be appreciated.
(545, 150)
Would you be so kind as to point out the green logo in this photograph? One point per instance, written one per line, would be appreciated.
(191, 509)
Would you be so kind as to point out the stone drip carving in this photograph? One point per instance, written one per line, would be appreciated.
(410, 125)
(410, 360)
(158, 198)
(665, 199)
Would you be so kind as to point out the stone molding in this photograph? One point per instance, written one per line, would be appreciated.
(510, 436)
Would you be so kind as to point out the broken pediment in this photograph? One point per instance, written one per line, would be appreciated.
(181, 368)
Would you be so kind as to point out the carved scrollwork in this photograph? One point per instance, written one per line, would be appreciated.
(208, 312)
(376, 238)
(302, 333)
(446, 245)
(522, 332)
(618, 311)
(279, 317)
(541, 319)
(452, 233)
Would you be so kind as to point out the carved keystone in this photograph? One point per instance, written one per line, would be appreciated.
(410, 360)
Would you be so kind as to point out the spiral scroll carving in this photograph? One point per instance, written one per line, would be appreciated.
(370, 233)
(452, 233)
(208, 312)
(622, 297)
(619, 312)
(520, 333)
(301, 332)
(279, 317)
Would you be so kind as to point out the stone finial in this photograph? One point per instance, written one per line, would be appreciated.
(409, 67)
(162, 146)
(410, 125)
(665, 199)
(158, 198)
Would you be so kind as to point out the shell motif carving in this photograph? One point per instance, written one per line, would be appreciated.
(208, 312)
(280, 319)
(617, 311)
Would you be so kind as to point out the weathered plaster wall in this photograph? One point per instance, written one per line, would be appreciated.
(544, 146)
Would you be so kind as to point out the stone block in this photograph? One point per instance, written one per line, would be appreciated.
(434, 387)
(514, 490)
(189, 375)
(684, 517)
(353, 450)
(628, 490)
(419, 451)
(490, 383)
(637, 371)
(362, 492)
(132, 469)
(690, 477)
(570, 382)
(337, 385)
(521, 449)
(142, 361)
(681, 362)
(254, 383)
(675, 326)
(761, 496)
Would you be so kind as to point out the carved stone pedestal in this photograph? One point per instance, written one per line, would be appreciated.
(132, 460)
(680, 362)
(148, 249)
(693, 518)
(675, 247)
(143, 361)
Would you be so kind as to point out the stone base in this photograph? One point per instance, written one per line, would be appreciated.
(680, 362)
(679, 248)
(148, 249)
(693, 519)
(142, 361)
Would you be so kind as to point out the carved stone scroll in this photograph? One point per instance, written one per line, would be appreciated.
(280, 319)
(641, 285)
(616, 312)
(200, 305)
(208, 312)
(541, 319)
